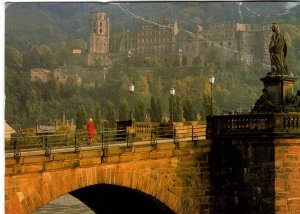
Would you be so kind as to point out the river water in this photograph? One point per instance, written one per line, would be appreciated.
(65, 204)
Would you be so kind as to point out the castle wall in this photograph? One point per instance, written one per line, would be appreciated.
(153, 40)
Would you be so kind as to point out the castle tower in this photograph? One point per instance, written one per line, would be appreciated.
(99, 29)
(175, 28)
(180, 57)
(175, 32)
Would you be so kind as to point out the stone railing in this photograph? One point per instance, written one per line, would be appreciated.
(253, 123)
(144, 128)
(180, 129)
(196, 130)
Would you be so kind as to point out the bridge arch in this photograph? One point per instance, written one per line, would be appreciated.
(35, 190)
(107, 198)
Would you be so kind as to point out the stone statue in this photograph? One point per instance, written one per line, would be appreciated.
(278, 51)
(264, 104)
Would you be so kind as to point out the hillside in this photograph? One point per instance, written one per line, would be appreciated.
(41, 35)
(29, 24)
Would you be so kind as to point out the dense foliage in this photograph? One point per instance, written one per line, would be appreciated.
(54, 23)
(30, 102)
(41, 35)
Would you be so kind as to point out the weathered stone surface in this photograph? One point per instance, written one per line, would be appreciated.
(54, 165)
(114, 151)
(58, 157)
(34, 159)
(165, 146)
(33, 168)
(169, 174)
(86, 154)
(143, 149)
(90, 161)
(287, 176)
(10, 161)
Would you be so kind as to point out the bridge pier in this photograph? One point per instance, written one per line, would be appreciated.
(255, 163)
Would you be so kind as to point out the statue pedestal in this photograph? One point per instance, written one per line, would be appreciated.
(279, 87)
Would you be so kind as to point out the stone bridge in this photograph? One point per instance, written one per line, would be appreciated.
(168, 177)
(248, 164)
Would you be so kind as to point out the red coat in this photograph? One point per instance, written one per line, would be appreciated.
(91, 129)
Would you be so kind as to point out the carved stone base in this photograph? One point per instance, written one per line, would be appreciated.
(279, 87)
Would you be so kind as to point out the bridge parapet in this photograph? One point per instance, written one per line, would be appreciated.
(281, 123)
(145, 132)
(143, 128)
(175, 175)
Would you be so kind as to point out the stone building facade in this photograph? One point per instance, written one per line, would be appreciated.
(58, 75)
(99, 31)
(149, 40)
(242, 40)
(166, 40)
(39, 74)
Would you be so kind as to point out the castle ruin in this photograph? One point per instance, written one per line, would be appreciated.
(167, 41)
(99, 31)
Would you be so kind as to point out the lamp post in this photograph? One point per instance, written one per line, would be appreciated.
(64, 118)
(131, 90)
(211, 82)
(172, 93)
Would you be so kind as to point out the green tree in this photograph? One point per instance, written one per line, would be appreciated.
(140, 111)
(159, 110)
(142, 88)
(123, 110)
(172, 104)
(34, 105)
(208, 107)
(81, 117)
(189, 111)
(61, 54)
(216, 56)
(175, 108)
(69, 89)
(79, 44)
(155, 110)
(97, 118)
(197, 61)
(13, 58)
(156, 86)
(40, 57)
(110, 114)
(296, 45)
(17, 94)
(178, 110)
(47, 57)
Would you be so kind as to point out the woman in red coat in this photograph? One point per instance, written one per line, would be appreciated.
(91, 129)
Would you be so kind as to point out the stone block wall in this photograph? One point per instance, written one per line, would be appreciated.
(242, 175)
(287, 174)
(176, 176)
(255, 174)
